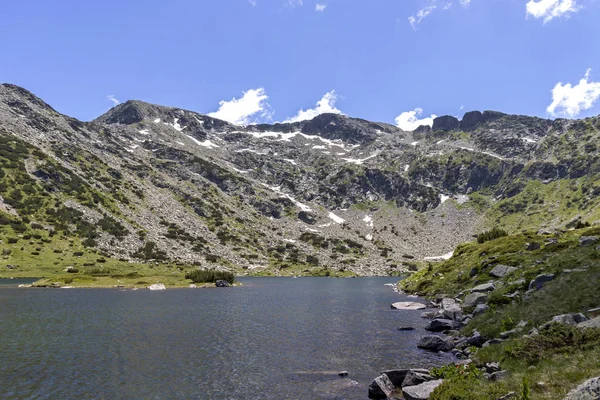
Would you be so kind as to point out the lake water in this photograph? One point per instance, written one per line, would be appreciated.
(273, 338)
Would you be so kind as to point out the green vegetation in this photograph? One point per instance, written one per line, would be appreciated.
(210, 275)
(491, 235)
(559, 356)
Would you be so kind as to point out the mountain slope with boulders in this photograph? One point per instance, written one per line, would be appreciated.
(153, 185)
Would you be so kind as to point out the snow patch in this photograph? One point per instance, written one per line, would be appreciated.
(290, 240)
(438, 258)
(528, 140)
(206, 143)
(335, 218)
(444, 198)
(358, 161)
(157, 120)
(144, 132)
(319, 147)
(414, 143)
(462, 199)
(368, 220)
(369, 237)
(290, 161)
(406, 167)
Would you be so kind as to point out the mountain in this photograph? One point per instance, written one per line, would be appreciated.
(153, 184)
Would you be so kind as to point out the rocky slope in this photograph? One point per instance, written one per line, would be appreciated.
(146, 182)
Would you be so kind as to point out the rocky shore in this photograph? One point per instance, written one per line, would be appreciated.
(446, 318)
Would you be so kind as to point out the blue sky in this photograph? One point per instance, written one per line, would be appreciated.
(381, 60)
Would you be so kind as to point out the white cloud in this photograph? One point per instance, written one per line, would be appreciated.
(568, 100)
(240, 111)
(409, 120)
(325, 105)
(295, 3)
(415, 20)
(252, 3)
(111, 97)
(465, 3)
(320, 7)
(549, 9)
(447, 6)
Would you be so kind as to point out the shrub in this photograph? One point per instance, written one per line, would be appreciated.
(210, 275)
(492, 234)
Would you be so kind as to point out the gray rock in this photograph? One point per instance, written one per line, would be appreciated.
(508, 396)
(540, 280)
(480, 309)
(445, 123)
(565, 319)
(500, 270)
(428, 314)
(492, 367)
(476, 340)
(422, 391)
(485, 287)
(586, 241)
(592, 323)
(406, 328)
(455, 314)
(492, 342)
(440, 325)
(474, 299)
(496, 376)
(397, 376)
(408, 305)
(509, 334)
(157, 286)
(416, 378)
(343, 373)
(589, 390)
(594, 312)
(221, 283)
(449, 304)
(381, 387)
(435, 343)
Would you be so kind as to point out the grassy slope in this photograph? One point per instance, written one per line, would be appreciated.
(570, 292)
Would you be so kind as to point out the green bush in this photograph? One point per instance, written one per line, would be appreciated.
(210, 275)
(491, 235)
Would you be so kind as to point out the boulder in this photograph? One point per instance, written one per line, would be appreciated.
(381, 387)
(476, 340)
(414, 378)
(435, 343)
(422, 391)
(449, 304)
(485, 287)
(428, 314)
(308, 217)
(221, 283)
(589, 390)
(586, 241)
(500, 270)
(474, 299)
(455, 315)
(566, 319)
(157, 286)
(192, 286)
(591, 323)
(397, 376)
(408, 305)
(343, 373)
(540, 280)
(480, 309)
(440, 325)
(496, 376)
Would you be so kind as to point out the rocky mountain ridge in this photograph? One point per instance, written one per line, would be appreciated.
(335, 192)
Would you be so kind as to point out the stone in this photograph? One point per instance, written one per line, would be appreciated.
(440, 325)
(533, 246)
(474, 299)
(381, 387)
(476, 340)
(496, 376)
(492, 342)
(428, 314)
(449, 304)
(406, 328)
(485, 287)
(594, 312)
(221, 283)
(586, 241)
(422, 391)
(435, 343)
(540, 280)
(473, 272)
(508, 396)
(591, 323)
(508, 334)
(192, 286)
(157, 286)
(416, 378)
(308, 217)
(343, 373)
(492, 367)
(397, 376)
(408, 305)
(480, 309)
(455, 314)
(588, 390)
(500, 270)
